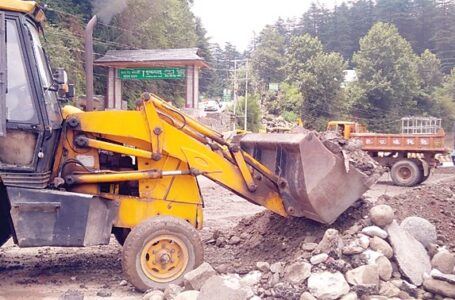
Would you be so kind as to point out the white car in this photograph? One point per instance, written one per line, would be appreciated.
(211, 105)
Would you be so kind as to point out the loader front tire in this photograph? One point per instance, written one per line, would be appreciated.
(160, 251)
(406, 173)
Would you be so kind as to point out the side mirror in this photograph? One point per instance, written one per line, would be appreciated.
(60, 76)
(65, 91)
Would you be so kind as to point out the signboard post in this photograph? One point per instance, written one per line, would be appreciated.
(151, 73)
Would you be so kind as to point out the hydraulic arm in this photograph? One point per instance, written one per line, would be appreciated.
(164, 142)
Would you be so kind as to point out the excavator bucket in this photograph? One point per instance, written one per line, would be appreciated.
(315, 182)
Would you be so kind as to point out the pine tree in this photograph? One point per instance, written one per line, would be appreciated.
(269, 58)
(444, 37)
(339, 28)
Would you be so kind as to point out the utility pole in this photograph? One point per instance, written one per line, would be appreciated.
(236, 86)
(235, 92)
(246, 96)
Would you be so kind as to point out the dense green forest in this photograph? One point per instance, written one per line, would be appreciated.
(403, 53)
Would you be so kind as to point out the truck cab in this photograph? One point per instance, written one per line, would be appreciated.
(345, 128)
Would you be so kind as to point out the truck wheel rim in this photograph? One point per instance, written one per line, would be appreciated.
(404, 172)
(164, 258)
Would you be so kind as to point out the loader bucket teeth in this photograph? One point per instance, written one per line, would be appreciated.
(314, 181)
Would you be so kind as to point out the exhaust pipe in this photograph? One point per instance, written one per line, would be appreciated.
(89, 63)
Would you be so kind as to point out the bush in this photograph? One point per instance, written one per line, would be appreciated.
(289, 116)
(287, 100)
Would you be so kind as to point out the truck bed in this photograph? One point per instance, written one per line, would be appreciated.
(401, 142)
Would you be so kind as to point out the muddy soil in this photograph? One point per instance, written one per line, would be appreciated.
(268, 237)
(271, 238)
(48, 273)
(436, 203)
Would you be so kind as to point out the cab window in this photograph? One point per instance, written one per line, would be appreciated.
(19, 102)
(50, 97)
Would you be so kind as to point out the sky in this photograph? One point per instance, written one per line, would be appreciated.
(235, 21)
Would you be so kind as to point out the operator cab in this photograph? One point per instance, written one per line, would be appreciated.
(30, 116)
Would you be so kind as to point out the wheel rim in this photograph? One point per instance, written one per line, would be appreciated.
(404, 173)
(164, 258)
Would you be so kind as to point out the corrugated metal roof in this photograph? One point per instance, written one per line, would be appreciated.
(189, 55)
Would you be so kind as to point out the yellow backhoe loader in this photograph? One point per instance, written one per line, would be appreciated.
(71, 178)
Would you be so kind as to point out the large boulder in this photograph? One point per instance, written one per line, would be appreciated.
(331, 244)
(350, 296)
(411, 256)
(388, 289)
(354, 247)
(327, 285)
(382, 215)
(375, 231)
(444, 261)
(297, 272)
(187, 295)
(381, 246)
(450, 278)
(439, 287)
(154, 295)
(319, 258)
(171, 291)
(307, 296)
(421, 229)
(367, 275)
(277, 267)
(224, 288)
(385, 268)
(195, 279)
(263, 266)
(251, 279)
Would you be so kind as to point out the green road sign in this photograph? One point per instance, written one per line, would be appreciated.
(151, 73)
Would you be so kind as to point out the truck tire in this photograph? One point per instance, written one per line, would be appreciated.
(406, 172)
(160, 251)
(423, 178)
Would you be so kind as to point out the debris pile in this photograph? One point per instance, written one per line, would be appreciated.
(350, 149)
(219, 121)
(373, 257)
(274, 123)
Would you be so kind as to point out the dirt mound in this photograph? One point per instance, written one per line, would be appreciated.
(270, 237)
(274, 123)
(366, 249)
(435, 203)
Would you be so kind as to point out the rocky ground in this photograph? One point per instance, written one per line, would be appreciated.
(268, 256)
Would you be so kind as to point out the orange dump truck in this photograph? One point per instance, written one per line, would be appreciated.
(410, 155)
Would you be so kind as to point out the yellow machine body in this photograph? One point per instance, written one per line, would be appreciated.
(158, 147)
